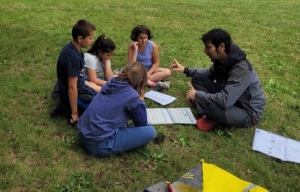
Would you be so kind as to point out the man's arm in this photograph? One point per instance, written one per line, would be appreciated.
(177, 66)
(192, 71)
(237, 83)
(73, 95)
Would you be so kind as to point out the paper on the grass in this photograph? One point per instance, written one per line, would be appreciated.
(158, 116)
(170, 116)
(277, 146)
(160, 98)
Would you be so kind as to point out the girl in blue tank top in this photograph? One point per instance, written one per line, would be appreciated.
(143, 50)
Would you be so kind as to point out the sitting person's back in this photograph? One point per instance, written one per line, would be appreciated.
(103, 127)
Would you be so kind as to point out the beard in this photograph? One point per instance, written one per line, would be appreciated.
(212, 59)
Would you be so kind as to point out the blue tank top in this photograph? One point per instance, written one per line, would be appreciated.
(146, 57)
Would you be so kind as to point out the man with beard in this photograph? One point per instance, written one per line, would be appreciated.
(229, 91)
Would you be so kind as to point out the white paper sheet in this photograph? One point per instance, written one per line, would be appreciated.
(170, 116)
(160, 98)
(158, 116)
(277, 146)
(182, 115)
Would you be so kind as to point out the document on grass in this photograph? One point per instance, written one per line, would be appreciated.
(160, 98)
(276, 146)
(170, 116)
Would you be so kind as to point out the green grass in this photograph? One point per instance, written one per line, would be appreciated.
(42, 154)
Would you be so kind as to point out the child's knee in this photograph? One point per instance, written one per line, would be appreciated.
(167, 72)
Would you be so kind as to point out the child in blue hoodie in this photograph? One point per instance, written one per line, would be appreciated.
(102, 128)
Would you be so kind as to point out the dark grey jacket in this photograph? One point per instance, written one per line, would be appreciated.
(237, 81)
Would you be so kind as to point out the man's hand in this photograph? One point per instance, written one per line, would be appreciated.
(191, 94)
(177, 67)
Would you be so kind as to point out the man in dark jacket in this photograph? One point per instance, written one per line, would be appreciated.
(229, 92)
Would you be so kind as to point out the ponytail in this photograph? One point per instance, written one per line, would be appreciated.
(102, 44)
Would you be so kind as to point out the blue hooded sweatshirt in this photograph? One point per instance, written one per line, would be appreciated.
(110, 110)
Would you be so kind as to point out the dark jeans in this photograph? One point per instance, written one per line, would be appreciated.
(232, 116)
(85, 96)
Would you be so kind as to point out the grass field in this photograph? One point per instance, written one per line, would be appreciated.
(42, 154)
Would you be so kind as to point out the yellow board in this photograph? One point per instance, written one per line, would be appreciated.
(216, 179)
(210, 178)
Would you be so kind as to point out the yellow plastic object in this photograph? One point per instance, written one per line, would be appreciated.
(217, 179)
(179, 186)
(210, 178)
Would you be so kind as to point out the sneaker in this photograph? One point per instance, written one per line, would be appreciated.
(192, 101)
(163, 84)
(205, 124)
(117, 71)
(58, 110)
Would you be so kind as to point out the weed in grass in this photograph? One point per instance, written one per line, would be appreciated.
(76, 182)
(224, 133)
(182, 140)
(157, 158)
(71, 140)
(272, 88)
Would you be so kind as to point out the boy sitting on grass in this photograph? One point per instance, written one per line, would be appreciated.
(70, 79)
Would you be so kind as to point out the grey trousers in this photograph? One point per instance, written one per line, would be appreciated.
(232, 116)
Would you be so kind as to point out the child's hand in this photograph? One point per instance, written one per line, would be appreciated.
(105, 62)
(74, 119)
(177, 67)
(149, 74)
(134, 46)
(142, 95)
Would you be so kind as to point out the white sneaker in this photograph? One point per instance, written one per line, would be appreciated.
(117, 71)
(163, 84)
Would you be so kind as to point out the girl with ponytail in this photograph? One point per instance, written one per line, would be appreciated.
(97, 61)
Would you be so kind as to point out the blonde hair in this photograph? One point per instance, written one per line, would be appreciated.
(136, 76)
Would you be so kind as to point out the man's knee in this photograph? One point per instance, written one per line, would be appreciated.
(215, 113)
(198, 79)
(202, 83)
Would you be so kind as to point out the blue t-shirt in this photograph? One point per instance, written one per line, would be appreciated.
(70, 63)
(146, 57)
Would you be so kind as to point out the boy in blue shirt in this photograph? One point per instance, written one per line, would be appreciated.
(70, 79)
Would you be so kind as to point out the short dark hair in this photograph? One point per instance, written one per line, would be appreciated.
(140, 29)
(102, 44)
(218, 36)
(82, 28)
